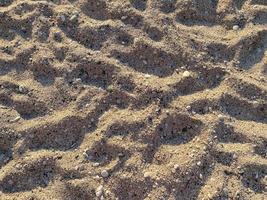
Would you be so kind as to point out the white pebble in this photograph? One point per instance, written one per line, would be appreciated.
(186, 74)
(97, 177)
(96, 164)
(220, 117)
(147, 75)
(15, 119)
(21, 89)
(104, 173)
(235, 27)
(176, 166)
(85, 155)
(99, 191)
(74, 18)
(146, 174)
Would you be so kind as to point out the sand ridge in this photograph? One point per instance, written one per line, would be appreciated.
(133, 99)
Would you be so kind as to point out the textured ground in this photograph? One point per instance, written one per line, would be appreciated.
(167, 99)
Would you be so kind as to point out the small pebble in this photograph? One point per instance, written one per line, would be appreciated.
(120, 154)
(147, 75)
(96, 164)
(186, 74)
(225, 191)
(74, 18)
(235, 156)
(235, 27)
(220, 117)
(21, 89)
(85, 155)
(145, 62)
(176, 166)
(104, 174)
(146, 174)
(99, 191)
(63, 18)
(15, 119)
(198, 163)
(97, 177)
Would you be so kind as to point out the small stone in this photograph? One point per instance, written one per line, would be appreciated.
(186, 74)
(74, 17)
(97, 177)
(15, 119)
(110, 88)
(200, 176)
(85, 155)
(198, 163)
(147, 75)
(235, 27)
(63, 18)
(146, 174)
(225, 191)
(77, 81)
(96, 164)
(104, 174)
(176, 166)
(262, 78)
(220, 117)
(21, 89)
(188, 107)
(235, 156)
(255, 103)
(120, 154)
(99, 191)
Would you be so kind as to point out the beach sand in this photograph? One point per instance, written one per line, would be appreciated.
(133, 99)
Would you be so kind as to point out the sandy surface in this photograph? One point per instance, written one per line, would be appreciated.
(133, 99)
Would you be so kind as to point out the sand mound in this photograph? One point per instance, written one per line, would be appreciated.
(133, 99)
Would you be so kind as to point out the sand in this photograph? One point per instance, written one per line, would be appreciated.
(133, 99)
